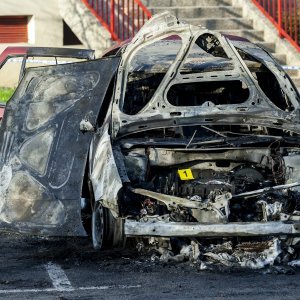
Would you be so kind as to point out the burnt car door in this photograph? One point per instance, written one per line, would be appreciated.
(45, 136)
(15, 60)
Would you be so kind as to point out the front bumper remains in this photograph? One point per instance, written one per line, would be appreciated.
(176, 229)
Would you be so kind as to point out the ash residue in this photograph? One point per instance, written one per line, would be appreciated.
(271, 255)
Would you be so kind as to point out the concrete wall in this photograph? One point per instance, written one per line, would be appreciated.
(45, 25)
(86, 27)
(45, 29)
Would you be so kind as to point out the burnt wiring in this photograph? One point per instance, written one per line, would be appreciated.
(278, 168)
(188, 144)
(214, 131)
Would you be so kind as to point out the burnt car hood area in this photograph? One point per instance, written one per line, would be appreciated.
(183, 139)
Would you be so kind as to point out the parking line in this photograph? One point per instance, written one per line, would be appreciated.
(84, 288)
(61, 283)
(58, 277)
(106, 287)
(21, 291)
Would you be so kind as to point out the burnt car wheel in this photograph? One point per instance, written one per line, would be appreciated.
(99, 226)
(107, 231)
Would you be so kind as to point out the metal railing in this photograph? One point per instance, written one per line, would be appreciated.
(122, 18)
(285, 15)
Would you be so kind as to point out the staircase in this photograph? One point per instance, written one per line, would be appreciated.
(225, 16)
(85, 25)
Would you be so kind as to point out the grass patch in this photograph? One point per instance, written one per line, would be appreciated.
(5, 94)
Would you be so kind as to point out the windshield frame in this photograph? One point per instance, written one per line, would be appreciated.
(257, 108)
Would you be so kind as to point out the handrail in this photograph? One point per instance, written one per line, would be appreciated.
(285, 15)
(122, 18)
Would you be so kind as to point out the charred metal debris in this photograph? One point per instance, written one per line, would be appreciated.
(182, 136)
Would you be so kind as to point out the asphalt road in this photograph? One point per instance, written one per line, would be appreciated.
(34, 268)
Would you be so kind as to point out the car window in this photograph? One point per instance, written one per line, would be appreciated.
(147, 70)
(36, 61)
(256, 59)
(9, 78)
(206, 55)
(208, 92)
(10, 72)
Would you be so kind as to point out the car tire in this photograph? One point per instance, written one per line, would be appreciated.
(86, 216)
(107, 231)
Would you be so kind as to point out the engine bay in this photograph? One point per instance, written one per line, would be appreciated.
(212, 180)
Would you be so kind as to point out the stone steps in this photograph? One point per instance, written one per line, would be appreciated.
(220, 24)
(250, 34)
(200, 12)
(281, 58)
(270, 47)
(184, 3)
(85, 26)
(293, 73)
(221, 16)
(296, 81)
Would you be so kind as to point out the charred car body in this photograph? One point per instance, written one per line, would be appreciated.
(182, 132)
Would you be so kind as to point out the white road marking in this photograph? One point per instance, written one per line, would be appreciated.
(21, 291)
(106, 287)
(84, 288)
(61, 283)
(59, 278)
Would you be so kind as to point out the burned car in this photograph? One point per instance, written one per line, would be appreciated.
(182, 133)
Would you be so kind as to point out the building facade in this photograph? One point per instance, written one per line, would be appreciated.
(34, 23)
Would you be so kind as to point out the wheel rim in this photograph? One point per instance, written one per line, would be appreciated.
(98, 227)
